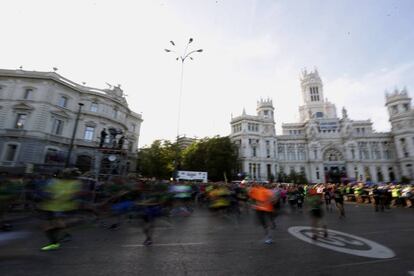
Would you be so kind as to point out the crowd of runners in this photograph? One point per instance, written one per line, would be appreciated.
(68, 200)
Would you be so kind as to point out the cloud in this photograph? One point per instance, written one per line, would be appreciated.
(364, 97)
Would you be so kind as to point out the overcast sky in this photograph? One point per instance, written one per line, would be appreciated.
(252, 50)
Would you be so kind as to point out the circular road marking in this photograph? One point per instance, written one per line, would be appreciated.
(342, 242)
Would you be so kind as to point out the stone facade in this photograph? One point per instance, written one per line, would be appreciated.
(38, 112)
(323, 146)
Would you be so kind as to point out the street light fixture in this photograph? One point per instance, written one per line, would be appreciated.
(181, 58)
(73, 135)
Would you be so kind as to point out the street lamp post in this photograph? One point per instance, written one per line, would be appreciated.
(182, 58)
(73, 135)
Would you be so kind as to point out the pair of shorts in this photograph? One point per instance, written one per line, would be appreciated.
(316, 213)
(122, 207)
(264, 218)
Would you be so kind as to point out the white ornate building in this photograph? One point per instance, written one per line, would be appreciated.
(322, 145)
(38, 114)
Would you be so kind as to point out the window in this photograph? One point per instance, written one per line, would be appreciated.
(291, 155)
(51, 156)
(11, 152)
(404, 147)
(394, 109)
(254, 152)
(406, 107)
(94, 107)
(63, 101)
(301, 152)
(115, 113)
(28, 94)
(319, 114)
(363, 151)
(57, 127)
(281, 151)
(133, 127)
(376, 153)
(20, 121)
(314, 92)
(89, 132)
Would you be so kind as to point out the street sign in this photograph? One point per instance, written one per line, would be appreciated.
(192, 175)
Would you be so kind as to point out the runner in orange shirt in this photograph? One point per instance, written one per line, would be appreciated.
(263, 204)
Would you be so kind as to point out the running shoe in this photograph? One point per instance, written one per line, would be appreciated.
(6, 227)
(147, 242)
(52, 246)
(268, 241)
(114, 226)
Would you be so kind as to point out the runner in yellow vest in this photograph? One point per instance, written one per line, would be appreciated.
(60, 202)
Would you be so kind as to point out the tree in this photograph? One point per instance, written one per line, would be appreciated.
(301, 178)
(158, 160)
(282, 177)
(405, 179)
(217, 156)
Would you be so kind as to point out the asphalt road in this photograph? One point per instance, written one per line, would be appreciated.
(207, 244)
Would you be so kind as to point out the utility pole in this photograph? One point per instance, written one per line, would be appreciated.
(73, 136)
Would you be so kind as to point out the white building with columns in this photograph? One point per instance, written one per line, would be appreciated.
(323, 146)
(38, 115)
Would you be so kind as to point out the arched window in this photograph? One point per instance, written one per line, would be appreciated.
(333, 155)
(53, 155)
(84, 163)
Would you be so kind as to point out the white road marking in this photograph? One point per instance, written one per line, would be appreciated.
(9, 236)
(364, 263)
(343, 242)
(165, 244)
(390, 231)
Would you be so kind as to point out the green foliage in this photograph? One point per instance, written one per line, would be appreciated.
(405, 179)
(282, 177)
(217, 156)
(293, 177)
(158, 160)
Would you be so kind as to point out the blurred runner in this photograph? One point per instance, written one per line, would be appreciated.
(11, 192)
(263, 204)
(379, 198)
(328, 198)
(59, 206)
(219, 197)
(339, 201)
(314, 201)
(181, 196)
(151, 205)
